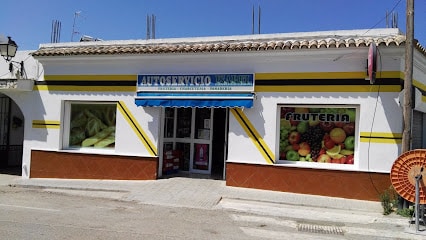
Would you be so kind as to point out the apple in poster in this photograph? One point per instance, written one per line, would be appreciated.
(349, 128)
(350, 142)
(302, 127)
(295, 147)
(339, 124)
(328, 143)
(349, 159)
(335, 160)
(294, 137)
(324, 158)
(342, 160)
(326, 126)
(352, 114)
(304, 149)
(292, 155)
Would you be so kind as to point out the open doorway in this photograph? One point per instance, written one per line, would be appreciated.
(219, 153)
(11, 136)
(194, 142)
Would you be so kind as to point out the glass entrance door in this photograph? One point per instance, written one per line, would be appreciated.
(201, 161)
(187, 136)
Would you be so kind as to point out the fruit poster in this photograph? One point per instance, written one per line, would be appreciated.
(323, 135)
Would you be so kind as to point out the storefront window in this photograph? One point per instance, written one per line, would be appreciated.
(169, 122)
(185, 148)
(184, 124)
(202, 123)
(92, 125)
(317, 134)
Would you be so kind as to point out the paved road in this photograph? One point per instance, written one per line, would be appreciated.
(297, 213)
(39, 213)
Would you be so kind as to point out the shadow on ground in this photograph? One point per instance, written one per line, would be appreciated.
(193, 175)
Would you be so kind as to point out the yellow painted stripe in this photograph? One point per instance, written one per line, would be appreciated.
(90, 77)
(380, 140)
(329, 88)
(390, 74)
(422, 87)
(46, 124)
(137, 128)
(419, 85)
(86, 88)
(324, 75)
(253, 135)
(381, 134)
(381, 137)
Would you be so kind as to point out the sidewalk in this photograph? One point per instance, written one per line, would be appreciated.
(214, 194)
(184, 192)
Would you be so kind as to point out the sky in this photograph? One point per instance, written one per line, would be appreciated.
(29, 22)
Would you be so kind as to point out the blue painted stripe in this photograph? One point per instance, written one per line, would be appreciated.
(247, 103)
(186, 94)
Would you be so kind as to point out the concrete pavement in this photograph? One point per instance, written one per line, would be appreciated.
(362, 217)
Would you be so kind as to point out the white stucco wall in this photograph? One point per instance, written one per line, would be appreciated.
(377, 111)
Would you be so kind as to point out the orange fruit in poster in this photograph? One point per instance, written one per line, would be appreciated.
(337, 135)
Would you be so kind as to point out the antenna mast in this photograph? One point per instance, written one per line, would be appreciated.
(252, 20)
(150, 26)
(153, 26)
(258, 20)
(76, 14)
(55, 35)
(391, 18)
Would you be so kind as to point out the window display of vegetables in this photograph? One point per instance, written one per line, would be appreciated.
(92, 125)
(98, 137)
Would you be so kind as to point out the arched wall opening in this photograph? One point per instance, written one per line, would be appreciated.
(11, 136)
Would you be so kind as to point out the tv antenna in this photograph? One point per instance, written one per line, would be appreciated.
(76, 14)
(408, 177)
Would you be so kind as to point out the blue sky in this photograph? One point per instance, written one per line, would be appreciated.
(29, 22)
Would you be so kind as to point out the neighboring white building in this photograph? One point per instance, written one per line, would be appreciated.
(15, 88)
(225, 106)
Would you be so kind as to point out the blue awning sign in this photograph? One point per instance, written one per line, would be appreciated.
(199, 82)
(203, 90)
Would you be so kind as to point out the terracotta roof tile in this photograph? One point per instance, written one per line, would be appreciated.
(226, 45)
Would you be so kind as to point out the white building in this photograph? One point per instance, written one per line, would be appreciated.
(225, 106)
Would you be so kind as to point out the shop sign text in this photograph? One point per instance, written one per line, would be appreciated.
(202, 83)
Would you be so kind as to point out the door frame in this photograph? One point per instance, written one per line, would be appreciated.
(192, 140)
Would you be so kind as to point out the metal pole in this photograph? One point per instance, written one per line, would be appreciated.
(417, 200)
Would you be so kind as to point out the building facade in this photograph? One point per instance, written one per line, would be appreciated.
(312, 113)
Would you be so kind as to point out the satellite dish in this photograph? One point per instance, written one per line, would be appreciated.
(403, 175)
(408, 177)
(372, 63)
